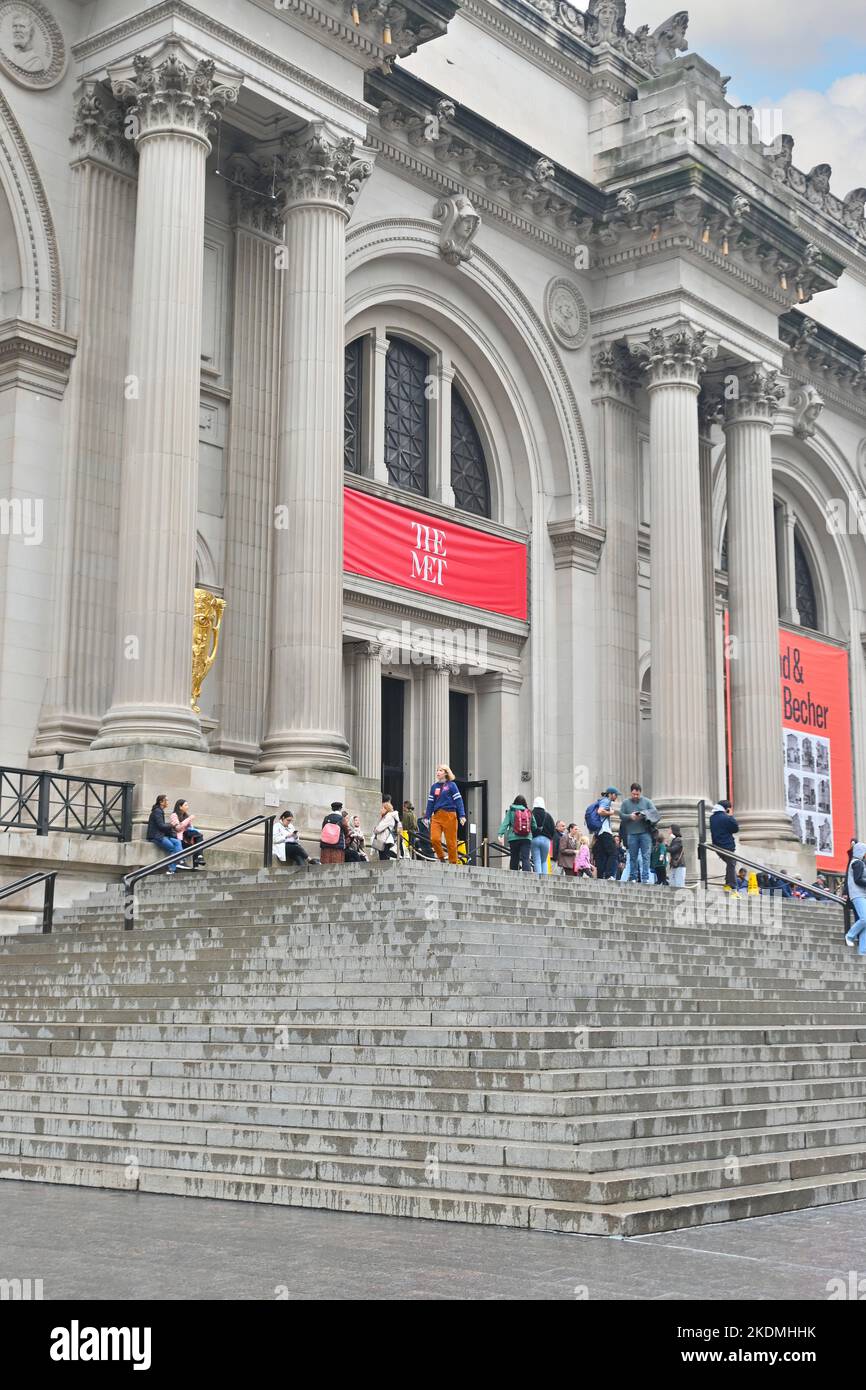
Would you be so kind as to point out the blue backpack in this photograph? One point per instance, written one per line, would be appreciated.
(594, 822)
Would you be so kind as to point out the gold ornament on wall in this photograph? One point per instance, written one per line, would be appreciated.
(205, 639)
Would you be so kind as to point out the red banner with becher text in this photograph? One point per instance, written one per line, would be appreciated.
(413, 550)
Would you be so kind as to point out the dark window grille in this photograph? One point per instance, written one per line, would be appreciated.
(468, 467)
(352, 399)
(807, 600)
(406, 434)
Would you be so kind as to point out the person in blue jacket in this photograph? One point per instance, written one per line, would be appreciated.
(444, 809)
(723, 827)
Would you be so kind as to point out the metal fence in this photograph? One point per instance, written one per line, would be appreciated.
(46, 801)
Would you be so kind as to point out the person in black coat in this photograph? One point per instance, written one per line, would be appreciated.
(723, 828)
(159, 830)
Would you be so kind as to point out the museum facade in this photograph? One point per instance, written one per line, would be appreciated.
(488, 378)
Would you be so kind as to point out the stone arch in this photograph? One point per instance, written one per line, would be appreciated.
(506, 317)
(27, 223)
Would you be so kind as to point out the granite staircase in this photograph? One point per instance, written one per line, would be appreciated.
(462, 1045)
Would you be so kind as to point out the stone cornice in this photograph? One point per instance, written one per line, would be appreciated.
(694, 209)
(451, 148)
(35, 357)
(659, 304)
(129, 29)
(410, 25)
(816, 356)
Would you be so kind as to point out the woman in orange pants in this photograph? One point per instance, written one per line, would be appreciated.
(444, 809)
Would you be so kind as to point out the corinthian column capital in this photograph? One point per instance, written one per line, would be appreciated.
(677, 357)
(174, 90)
(99, 131)
(615, 373)
(753, 395)
(320, 167)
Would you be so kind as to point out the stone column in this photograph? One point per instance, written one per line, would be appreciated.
(78, 691)
(786, 526)
(614, 380)
(673, 362)
(440, 443)
(174, 99)
(367, 714)
(320, 177)
(709, 411)
(250, 472)
(435, 718)
(756, 717)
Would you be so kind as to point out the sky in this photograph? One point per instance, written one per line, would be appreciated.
(802, 59)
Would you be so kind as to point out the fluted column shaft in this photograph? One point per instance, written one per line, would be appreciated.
(174, 100)
(435, 717)
(367, 713)
(618, 567)
(673, 364)
(756, 716)
(305, 701)
(79, 687)
(249, 499)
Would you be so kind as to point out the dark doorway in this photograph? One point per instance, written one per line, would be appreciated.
(475, 800)
(393, 704)
(458, 716)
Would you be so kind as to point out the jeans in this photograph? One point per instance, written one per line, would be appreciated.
(730, 873)
(520, 855)
(605, 855)
(678, 877)
(171, 846)
(539, 852)
(859, 927)
(640, 848)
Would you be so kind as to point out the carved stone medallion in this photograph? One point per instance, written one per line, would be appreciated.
(32, 51)
(566, 312)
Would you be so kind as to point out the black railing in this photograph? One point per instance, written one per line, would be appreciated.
(733, 856)
(46, 801)
(47, 899)
(162, 865)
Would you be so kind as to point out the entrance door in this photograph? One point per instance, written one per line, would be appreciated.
(393, 704)
(475, 800)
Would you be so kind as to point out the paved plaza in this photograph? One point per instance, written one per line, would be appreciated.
(90, 1244)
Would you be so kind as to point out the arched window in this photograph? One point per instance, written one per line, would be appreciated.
(352, 398)
(807, 601)
(406, 432)
(468, 468)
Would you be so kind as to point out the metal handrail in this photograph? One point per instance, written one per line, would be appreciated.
(47, 898)
(735, 857)
(130, 880)
(487, 845)
(40, 789)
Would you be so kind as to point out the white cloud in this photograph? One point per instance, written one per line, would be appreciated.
(830, 128)
(771, 33)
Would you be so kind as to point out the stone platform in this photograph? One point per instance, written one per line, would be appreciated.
(461, 1045)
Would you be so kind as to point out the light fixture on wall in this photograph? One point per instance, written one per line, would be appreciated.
(356, 18)
(386, 35)
(706, 233)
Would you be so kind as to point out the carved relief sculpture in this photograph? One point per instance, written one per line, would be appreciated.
(460, 223)
(208, 616)
(32, 51)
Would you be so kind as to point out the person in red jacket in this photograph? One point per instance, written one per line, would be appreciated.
(444, 809)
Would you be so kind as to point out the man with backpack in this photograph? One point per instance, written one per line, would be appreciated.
(857, 898)
(516, 827)
(723, 828)
(598, 823)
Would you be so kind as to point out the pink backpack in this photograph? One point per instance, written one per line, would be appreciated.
(331, 832)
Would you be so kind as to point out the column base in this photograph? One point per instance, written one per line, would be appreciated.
(767, 837)
(306, 749)
(166, 726)
(63, 733)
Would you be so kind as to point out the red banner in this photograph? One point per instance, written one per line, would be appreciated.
(816, 744)
(413, 550)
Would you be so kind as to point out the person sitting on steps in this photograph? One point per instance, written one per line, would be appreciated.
(181, 820)
(287, 843)
(159, 831)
